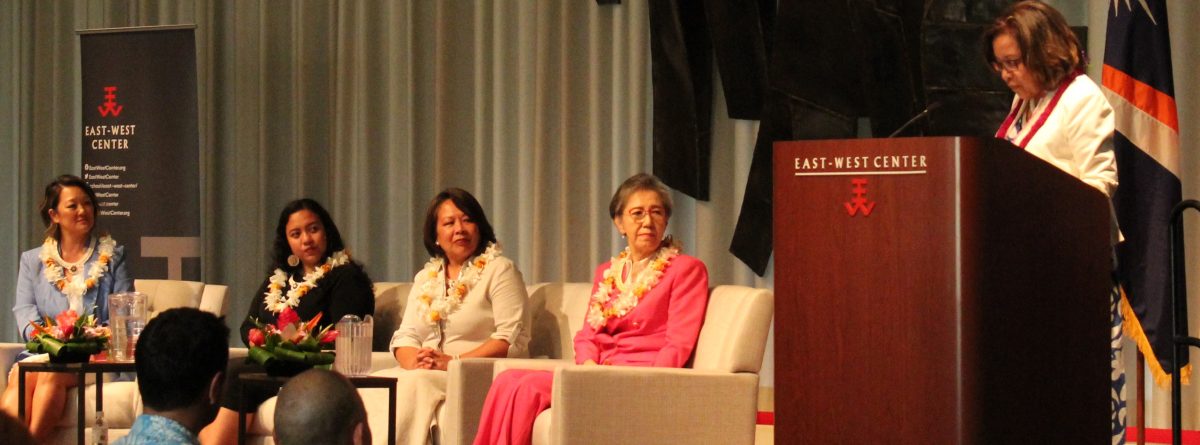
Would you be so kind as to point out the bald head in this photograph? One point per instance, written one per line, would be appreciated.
(320, 406)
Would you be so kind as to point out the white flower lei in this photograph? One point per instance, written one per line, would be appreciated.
(603, 306)
(275, 300)
(74, 289)
(435, 302)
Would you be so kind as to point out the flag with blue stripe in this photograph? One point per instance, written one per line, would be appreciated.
(1138, 83)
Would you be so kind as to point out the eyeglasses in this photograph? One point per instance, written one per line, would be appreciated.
(1010, 65)
(639, 215)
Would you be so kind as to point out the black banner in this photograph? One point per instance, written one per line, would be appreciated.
(141, 145)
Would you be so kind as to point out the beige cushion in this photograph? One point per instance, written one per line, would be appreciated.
(558, 311)
(168, 294)
(213, 299)
(734, 334)
(263, 422)
(390, 299)
(122, 404)
(541, 427)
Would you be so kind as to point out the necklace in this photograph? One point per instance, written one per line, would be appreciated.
(629, 291)
(275, 301)
(441, 297)
(75, 286)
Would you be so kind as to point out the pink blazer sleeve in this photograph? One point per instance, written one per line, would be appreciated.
(585, 347)
(689, 299)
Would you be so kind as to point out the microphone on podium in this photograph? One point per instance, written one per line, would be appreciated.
(928, 109)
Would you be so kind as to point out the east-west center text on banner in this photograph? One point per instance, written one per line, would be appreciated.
(141, 145)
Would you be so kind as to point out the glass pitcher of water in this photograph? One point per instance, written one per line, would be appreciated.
(352, 349)
(126, 318)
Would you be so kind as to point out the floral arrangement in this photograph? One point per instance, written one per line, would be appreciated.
(68, 336)
(290, 346)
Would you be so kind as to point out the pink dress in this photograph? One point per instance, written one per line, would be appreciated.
(660, 331)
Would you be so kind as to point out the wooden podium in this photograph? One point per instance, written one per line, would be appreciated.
(938, 291)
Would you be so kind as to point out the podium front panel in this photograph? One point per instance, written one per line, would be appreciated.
(901, 269)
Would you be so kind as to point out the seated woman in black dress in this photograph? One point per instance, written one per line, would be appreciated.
(305, 240)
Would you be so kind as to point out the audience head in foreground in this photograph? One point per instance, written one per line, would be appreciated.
(181, 356)
(320, 406)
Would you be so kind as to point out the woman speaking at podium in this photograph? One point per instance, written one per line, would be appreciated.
(1062, 117)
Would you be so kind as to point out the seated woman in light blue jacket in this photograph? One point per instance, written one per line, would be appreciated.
(74, 269)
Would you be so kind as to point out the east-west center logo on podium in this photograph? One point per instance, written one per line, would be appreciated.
(859, 203)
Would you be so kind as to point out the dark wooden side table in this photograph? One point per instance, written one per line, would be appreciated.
(262, 380)
(81, 370)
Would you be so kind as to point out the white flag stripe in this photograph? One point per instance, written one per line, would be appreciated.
(1149, 134)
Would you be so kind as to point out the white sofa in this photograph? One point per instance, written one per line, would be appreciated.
(721, 387)
(717, 398)
(122, 403)
(714, 400)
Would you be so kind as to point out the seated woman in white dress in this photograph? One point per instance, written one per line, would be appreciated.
(468, 301)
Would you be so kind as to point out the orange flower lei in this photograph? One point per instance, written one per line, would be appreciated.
(275, 301)
(74, 289)
(603, 306)
(435, 303)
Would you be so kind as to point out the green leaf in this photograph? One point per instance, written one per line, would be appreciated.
(51, 345)
(261, 355)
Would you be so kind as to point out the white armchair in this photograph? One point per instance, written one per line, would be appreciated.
(716, 398)
(558, 311)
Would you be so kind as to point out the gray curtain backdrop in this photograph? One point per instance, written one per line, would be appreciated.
(539, 108)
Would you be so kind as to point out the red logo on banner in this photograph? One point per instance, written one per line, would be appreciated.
(859, 202)
(110, 103)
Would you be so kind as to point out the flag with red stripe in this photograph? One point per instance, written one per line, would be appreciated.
(1138, 83)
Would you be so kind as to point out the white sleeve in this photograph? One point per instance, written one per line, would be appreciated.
(1091, 137)
(509, 297)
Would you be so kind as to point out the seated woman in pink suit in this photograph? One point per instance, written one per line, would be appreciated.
(646, 309)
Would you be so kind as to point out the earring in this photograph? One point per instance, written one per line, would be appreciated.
(622, 235)
(293, 260)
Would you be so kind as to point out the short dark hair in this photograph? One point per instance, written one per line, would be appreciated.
(1049, 49)
(50, 201)
(470, 206)
(318, 406)
(636, 183)
(281, 250)
(178, 353)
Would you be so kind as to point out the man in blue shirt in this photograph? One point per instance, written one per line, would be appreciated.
(181, 358)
